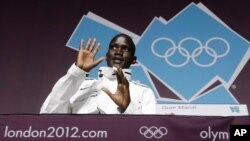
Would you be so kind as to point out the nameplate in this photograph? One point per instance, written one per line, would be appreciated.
(202, 109)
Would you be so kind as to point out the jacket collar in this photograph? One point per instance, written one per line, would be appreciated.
(109, 73)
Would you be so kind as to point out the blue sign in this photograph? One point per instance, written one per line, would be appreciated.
(195, 56)
(190, 53)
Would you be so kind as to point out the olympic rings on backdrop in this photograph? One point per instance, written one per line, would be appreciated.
(191, 55)
(153, 132)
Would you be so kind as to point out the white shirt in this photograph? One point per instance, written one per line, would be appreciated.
(77, 94)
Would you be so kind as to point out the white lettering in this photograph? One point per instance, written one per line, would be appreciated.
(223, 135)
(203, 134)
(54, 132)
(209, 132)
(239, 132)
(102, 134)
(27, 133)
(35, 134)
(9, 133)
(85, 135)
(243, 131)
(92, 134)
(6, 131)
(214, 135)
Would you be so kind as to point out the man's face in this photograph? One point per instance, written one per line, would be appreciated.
(120, 53)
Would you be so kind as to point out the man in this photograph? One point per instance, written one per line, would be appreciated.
(112, 93)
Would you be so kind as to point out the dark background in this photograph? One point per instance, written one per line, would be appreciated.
(33, 35)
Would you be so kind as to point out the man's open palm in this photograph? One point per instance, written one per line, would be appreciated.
(86, 55)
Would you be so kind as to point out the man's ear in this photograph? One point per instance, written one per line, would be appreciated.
(134, 60)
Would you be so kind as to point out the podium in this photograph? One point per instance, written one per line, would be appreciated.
(116, 127)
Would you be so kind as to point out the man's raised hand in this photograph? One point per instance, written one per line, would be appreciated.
(122, 95)
(86, 55)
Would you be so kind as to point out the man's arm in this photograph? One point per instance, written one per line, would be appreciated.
(65, 87)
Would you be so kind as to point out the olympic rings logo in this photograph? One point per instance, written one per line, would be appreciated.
(153, 132)
(195, 54)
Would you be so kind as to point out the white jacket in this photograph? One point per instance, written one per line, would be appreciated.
(77, 94)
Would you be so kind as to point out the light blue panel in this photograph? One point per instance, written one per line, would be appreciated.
(185, 69)
(217, 96)
(88, 28)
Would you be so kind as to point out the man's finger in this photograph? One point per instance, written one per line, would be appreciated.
(98, 61)
(88, 44)
(95, 50)
(92, 44)
(125, 81)
(81, 45)
(108, 92)
(122, 77)
(118, 76)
